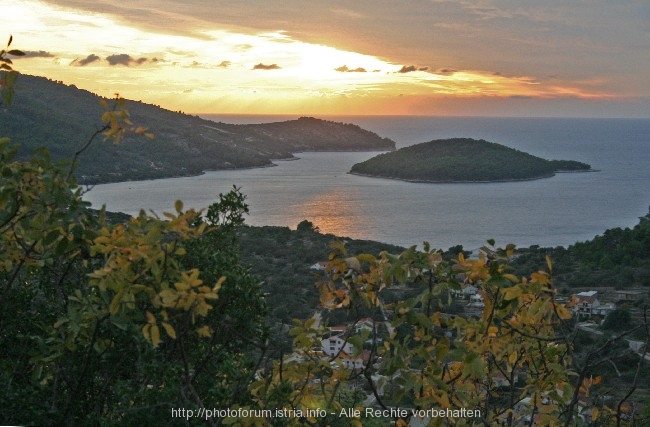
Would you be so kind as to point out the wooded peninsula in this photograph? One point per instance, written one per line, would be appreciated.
(62, 117)
(462, 160)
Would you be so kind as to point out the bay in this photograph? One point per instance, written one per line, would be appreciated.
(561, 210)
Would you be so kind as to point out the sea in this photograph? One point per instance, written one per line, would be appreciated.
(557, 211)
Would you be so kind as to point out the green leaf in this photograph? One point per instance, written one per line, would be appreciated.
(7, 94)
(10, 78)
(499, 281)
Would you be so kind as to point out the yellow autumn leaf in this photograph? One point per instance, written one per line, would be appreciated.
(181, 286)
(562, 312)
(146, 332)
(114, 306)
(168, 297)
(169, 329)
(204, 331)
(512, 358)
(594, 413)
(155, 335)
(150, 318)
(511, 277)
(540, 277)
(353, 263)
(512, 293)
(549, 263)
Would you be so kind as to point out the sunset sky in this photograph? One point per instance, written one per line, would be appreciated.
(427, 57)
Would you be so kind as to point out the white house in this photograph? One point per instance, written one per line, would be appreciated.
(335, 342)
(466, 292)
(355, 362)
(476, 300)
(586, 303)
(319, 266)
(365, 323)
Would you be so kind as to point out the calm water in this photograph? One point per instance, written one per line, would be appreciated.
(548, 212)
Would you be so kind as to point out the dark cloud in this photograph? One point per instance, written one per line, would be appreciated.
(39, 54)
(407, 69)
(261, 66)
(225, 64)
(85, 61)
(127, 60)
(345, 69)
(446, 71)
(119, 59)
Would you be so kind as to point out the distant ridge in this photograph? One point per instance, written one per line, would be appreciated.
(61, 118)
(462, 160)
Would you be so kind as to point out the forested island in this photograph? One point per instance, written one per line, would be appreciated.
(62, 118)
(462, 160)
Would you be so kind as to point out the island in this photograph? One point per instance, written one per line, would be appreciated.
(462, 160)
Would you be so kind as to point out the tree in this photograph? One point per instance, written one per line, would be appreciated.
(100, 319)
(618, 320)
(306, 225)
(113, 322)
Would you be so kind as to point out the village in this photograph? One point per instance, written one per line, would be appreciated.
(590, 307)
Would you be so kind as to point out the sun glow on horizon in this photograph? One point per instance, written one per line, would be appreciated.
(223, 71)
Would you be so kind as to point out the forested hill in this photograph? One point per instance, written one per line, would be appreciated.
(462, 160)
(619, 258)
(64, 117)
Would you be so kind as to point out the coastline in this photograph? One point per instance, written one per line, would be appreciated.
(496, 181)
(88, 182)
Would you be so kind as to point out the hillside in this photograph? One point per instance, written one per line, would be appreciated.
(65, 117)
(462, 160)
(619, 258)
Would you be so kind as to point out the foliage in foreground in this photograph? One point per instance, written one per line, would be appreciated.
(111, 323)
(516, 362)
